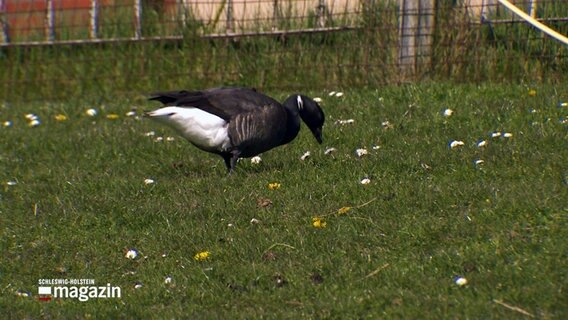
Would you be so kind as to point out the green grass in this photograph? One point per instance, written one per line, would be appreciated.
(428, 215)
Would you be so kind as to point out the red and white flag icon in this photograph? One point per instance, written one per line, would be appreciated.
(44, 293)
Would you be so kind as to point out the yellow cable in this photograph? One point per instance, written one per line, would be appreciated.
(534, 22)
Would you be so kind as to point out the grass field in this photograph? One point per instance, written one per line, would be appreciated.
(73, 201)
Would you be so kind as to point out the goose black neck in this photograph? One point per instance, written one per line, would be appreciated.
(292, 120)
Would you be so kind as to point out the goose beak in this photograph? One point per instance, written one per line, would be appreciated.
(317, 134)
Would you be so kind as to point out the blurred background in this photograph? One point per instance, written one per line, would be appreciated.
(104, 49)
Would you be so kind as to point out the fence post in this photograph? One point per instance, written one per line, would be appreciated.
(4, 27)
(181, 13)
(230, 23)
(532, 8)
(416, 31)
(94, 19)
(275, 15)
(137, 19)
(321, 13)
(50, 21)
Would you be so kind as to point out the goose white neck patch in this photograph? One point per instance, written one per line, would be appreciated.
(300, 103)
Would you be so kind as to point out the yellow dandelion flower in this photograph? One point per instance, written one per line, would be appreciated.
(319, 223)
(112, 116)
(274, 186)
(532, 92)
(343, 210)
(201, 256)
(60, 117)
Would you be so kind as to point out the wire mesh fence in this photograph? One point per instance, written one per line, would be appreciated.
(56, 49)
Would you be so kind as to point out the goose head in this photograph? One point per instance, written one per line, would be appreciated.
(310, 112)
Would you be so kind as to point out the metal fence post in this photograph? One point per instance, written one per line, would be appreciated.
(94, 19)
(50, 21)
(138, 19)
(4, 27)
(532, 8)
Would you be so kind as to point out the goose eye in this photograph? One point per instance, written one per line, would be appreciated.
(171, 114)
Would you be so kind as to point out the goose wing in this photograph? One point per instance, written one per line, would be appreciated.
(259, 131)
(226, 103)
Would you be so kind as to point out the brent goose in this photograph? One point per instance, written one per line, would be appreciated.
(236, 122)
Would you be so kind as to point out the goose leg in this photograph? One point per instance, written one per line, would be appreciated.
(234, 158)
(227, 158)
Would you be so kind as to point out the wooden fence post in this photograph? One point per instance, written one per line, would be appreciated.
(416, 30)
(230, 22)
(322, 14)
(181, 13)
(275, 15)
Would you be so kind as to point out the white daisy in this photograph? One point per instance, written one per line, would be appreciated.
(456, 143)
(361, 152)
(343, 122)
(461, 281)
(131, 254)
(329, 150)
(91, 112)
(305, 155)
